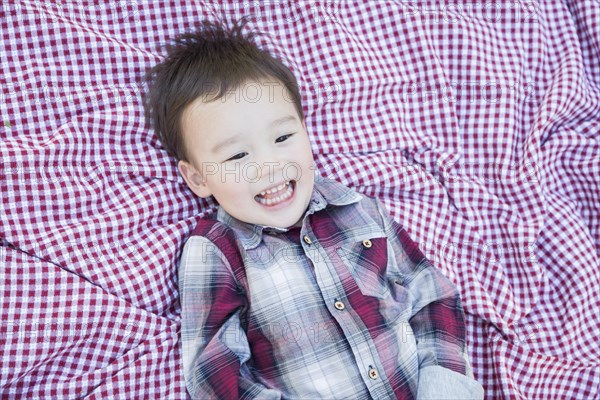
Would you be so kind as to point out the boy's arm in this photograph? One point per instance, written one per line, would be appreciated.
(215, 347)
(437, 322)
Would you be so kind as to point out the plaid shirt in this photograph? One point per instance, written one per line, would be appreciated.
(344, 307)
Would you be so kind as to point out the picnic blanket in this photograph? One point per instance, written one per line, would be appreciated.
(476, 124)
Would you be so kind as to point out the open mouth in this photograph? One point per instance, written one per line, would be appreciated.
(277, 194)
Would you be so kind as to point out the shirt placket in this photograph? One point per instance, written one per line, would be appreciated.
(357, 335)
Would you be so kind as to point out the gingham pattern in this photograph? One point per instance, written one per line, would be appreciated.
(477, 124)
(275, 298)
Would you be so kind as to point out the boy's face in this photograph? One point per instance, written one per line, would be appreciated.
(250, 150)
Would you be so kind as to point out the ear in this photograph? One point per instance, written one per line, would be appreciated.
(193, 178)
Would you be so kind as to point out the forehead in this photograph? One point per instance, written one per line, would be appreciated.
(264, 94)
(252, 105)
(250, 90)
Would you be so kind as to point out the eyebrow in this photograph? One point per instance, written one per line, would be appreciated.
(227, 142)
(282, 121)
(236, 138)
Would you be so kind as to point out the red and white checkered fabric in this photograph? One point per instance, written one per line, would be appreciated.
(476, 123)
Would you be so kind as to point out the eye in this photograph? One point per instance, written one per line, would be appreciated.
(283, 138)
(238, 156)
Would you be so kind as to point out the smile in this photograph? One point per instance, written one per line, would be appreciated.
(276, 195)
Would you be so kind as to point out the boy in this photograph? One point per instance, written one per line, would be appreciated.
(300, 287)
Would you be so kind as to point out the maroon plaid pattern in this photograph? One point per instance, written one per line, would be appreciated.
(261, 314)
(475, 123)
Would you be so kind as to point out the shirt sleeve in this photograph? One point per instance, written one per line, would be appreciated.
(437, 321)
(215, 346)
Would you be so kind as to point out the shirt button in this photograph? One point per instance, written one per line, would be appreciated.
(307, 240)
(367, 243)
(373, 374)
(339, 305)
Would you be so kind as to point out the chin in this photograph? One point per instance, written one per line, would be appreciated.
(283, 222)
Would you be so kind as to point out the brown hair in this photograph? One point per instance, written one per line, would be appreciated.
(207, 63)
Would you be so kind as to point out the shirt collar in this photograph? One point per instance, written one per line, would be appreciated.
(326, 192)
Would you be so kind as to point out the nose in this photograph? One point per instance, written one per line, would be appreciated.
(269, 165)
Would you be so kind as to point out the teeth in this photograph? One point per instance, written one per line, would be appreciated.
(274, 200)
(275, 189)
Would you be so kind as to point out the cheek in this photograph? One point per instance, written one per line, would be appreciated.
(235, 189)
(224, 188)
(303, 153)
(250, 173)
(308, 161)
(305, 166)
